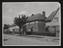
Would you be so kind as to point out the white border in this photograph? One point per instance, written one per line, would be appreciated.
(35, 45)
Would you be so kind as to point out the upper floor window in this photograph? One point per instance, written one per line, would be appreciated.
(56, 19)
(36, 21)
(32, 22)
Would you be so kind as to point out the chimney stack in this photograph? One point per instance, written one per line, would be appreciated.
(32, 15)
(43, 13)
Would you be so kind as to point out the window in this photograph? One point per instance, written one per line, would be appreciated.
(36, 21)
(27, 23)
(56, 19)
(32, 22)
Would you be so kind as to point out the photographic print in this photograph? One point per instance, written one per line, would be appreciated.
(31, 24)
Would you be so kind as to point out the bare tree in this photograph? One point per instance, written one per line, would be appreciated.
(20, 22)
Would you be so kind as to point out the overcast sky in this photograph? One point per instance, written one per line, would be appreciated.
(13, 9)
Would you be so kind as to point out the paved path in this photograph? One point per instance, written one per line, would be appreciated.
(25, 40)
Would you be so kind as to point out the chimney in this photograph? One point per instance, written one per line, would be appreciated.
(43, 13)
(32, 15)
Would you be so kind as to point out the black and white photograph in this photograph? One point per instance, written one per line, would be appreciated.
(31, 24)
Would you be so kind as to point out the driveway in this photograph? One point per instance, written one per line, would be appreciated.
(13, 40)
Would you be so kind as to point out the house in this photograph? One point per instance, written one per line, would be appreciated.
(38, 22)
(55, 24)
(14, 28)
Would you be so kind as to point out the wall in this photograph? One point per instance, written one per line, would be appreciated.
(34, 25)
(41, 27)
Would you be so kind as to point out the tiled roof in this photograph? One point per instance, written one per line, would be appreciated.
(36, 16)
(42, 17)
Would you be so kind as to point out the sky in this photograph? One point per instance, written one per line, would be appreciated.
(10, 10)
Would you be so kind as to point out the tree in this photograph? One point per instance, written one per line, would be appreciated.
(24, 18)
(20, 22)
(6, 26)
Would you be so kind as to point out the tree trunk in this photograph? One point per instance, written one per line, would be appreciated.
(24, 30)
(20, 30)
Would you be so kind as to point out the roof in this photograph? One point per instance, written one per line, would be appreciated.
(13, 27)
(52, 15)
(42, 17)
(35, 17)
(56, 20)
(52, 23)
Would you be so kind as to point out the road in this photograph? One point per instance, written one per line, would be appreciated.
(13, 40)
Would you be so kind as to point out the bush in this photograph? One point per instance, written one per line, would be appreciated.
(16, 32)
(7, 32)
